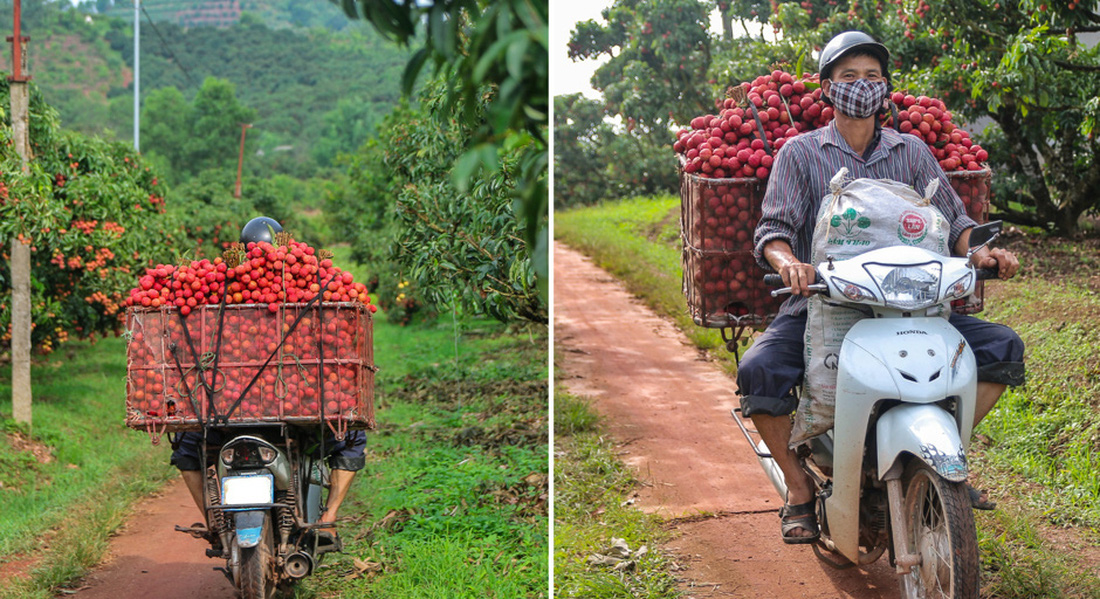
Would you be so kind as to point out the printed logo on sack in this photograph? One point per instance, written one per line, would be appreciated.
(912, 228)
(849, 223)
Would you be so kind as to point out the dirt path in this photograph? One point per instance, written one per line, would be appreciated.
(150, 559)
(670, 411)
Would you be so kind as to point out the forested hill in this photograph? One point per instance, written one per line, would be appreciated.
(315, 92)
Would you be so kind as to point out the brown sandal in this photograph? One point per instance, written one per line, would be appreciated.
(801, 516)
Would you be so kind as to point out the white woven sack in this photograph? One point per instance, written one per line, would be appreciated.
(856, 217)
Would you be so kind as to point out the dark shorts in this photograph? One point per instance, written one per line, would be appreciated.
(342, 455)
(773, 366)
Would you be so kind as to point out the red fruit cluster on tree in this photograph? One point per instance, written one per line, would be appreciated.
(742, 139)
(291, 387)
(268, 275)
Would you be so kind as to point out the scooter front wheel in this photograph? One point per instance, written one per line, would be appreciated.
(940, 526)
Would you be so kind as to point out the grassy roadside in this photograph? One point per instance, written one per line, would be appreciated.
(71, 480)
(453, 502)
(1037, 451)
(591, 487)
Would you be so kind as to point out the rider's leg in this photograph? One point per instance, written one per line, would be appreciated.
(347, 458)
(776, 433)
(339, 483)
(999, 354)
(765, 376)
(193, 480)
(988, 394)
(185, 456)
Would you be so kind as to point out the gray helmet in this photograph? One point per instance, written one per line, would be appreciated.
(846, 42)
(259, 229)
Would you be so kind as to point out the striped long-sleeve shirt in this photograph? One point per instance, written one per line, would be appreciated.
(800, 180)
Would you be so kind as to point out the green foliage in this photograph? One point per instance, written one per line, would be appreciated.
(198, 136)
(460, 247)
(660, 53)
(593, 161)
(298, 82)
(93, 214)
(493, 60)
(1020, 63)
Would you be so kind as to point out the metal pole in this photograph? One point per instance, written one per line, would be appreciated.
(20, 252)
(240, 159)
(137, 75)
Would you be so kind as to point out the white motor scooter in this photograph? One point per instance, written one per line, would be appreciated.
(891, 474)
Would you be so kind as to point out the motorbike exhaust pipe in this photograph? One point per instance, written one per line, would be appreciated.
(298, 565)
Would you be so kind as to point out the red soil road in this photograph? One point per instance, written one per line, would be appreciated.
(151, 559)
(669, 409)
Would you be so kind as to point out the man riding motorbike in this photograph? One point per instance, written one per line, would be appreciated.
(345, 457)
(854, 72)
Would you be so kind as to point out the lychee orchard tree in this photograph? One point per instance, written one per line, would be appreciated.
(658, 55)
(93, 214)
(1019, 63)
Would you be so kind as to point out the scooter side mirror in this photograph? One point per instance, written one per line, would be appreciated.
(983, 234)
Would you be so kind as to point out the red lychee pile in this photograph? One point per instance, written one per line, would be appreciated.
(733, 144)
(264, 294)
(267, 275)
(287, 388)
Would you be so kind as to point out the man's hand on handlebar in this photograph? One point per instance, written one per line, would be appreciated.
(1003, 260)
(798, 276)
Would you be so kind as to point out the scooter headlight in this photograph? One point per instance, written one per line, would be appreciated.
(907, 286)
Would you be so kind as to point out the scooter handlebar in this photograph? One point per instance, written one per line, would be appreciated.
(983, 274)
(773, 280)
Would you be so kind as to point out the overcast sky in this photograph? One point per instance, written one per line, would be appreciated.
(566, 76)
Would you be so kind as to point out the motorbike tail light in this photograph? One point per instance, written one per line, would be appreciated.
(247, 455)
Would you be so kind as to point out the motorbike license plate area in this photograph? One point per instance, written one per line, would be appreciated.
(249, 489)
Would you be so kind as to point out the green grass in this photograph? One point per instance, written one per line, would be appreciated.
(460, 459)
(453, 499)
(97, 467)
(1038, 451)
(591, 487)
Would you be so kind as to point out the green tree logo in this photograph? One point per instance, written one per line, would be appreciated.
(849, 223)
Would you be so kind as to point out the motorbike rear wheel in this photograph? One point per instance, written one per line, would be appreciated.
(940, 526)
(257, 570)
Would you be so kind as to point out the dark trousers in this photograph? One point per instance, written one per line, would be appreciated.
(773, 366)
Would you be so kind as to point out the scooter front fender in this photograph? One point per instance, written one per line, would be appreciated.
(925, 431)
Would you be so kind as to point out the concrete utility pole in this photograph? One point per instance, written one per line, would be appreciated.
(137, 75)
(240, 160)
(20, 252)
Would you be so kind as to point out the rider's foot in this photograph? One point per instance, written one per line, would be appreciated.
(799, 519)
(979, 499)
(799, 523)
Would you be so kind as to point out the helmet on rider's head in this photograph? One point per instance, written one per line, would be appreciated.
(848, 42)
(260, 229)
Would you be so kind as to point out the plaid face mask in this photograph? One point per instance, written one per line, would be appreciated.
(858, 99)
